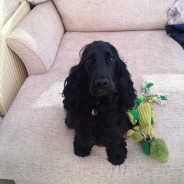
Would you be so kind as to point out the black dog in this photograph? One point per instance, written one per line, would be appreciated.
(97, 94)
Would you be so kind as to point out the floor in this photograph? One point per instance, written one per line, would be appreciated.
(6, 182)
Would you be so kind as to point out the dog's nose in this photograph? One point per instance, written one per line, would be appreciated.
(102, 83)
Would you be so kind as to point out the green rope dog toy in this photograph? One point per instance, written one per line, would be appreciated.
(143, 117)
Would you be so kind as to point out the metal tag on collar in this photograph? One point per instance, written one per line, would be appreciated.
(94, 112)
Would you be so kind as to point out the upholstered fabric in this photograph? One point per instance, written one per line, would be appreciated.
(37, 37)
(7, 8)
(35, 2)
(37, 148)
(176, 13)
(108, 15)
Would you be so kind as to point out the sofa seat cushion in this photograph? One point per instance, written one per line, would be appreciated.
(36, 146)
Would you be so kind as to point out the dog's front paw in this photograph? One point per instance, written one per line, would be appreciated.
(117, 158)
(82, 152)
(81, 149)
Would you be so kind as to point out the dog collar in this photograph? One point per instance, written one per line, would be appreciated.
(94, 112)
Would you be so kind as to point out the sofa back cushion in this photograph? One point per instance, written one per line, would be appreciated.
(113, 15)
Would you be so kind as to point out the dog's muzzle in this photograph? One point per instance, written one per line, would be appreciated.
(102, 87)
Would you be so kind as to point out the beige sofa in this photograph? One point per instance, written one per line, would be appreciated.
(35, 145)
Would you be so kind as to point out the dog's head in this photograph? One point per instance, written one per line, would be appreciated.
(101, 62)
(100, 73)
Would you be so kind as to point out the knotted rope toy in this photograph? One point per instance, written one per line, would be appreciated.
(143, 117)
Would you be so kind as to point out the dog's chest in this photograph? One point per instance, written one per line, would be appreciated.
(104, 125)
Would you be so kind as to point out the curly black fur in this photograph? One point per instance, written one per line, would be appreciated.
(102, 82)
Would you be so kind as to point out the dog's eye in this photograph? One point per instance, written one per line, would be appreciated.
(89, 61)
(112, 60)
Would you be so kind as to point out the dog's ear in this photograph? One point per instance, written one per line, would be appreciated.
(74, 85)
(125, 85)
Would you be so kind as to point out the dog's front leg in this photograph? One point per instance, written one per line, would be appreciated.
(116, 152)
(82, 143)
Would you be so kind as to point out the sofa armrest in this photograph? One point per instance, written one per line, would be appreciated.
(36, 39)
